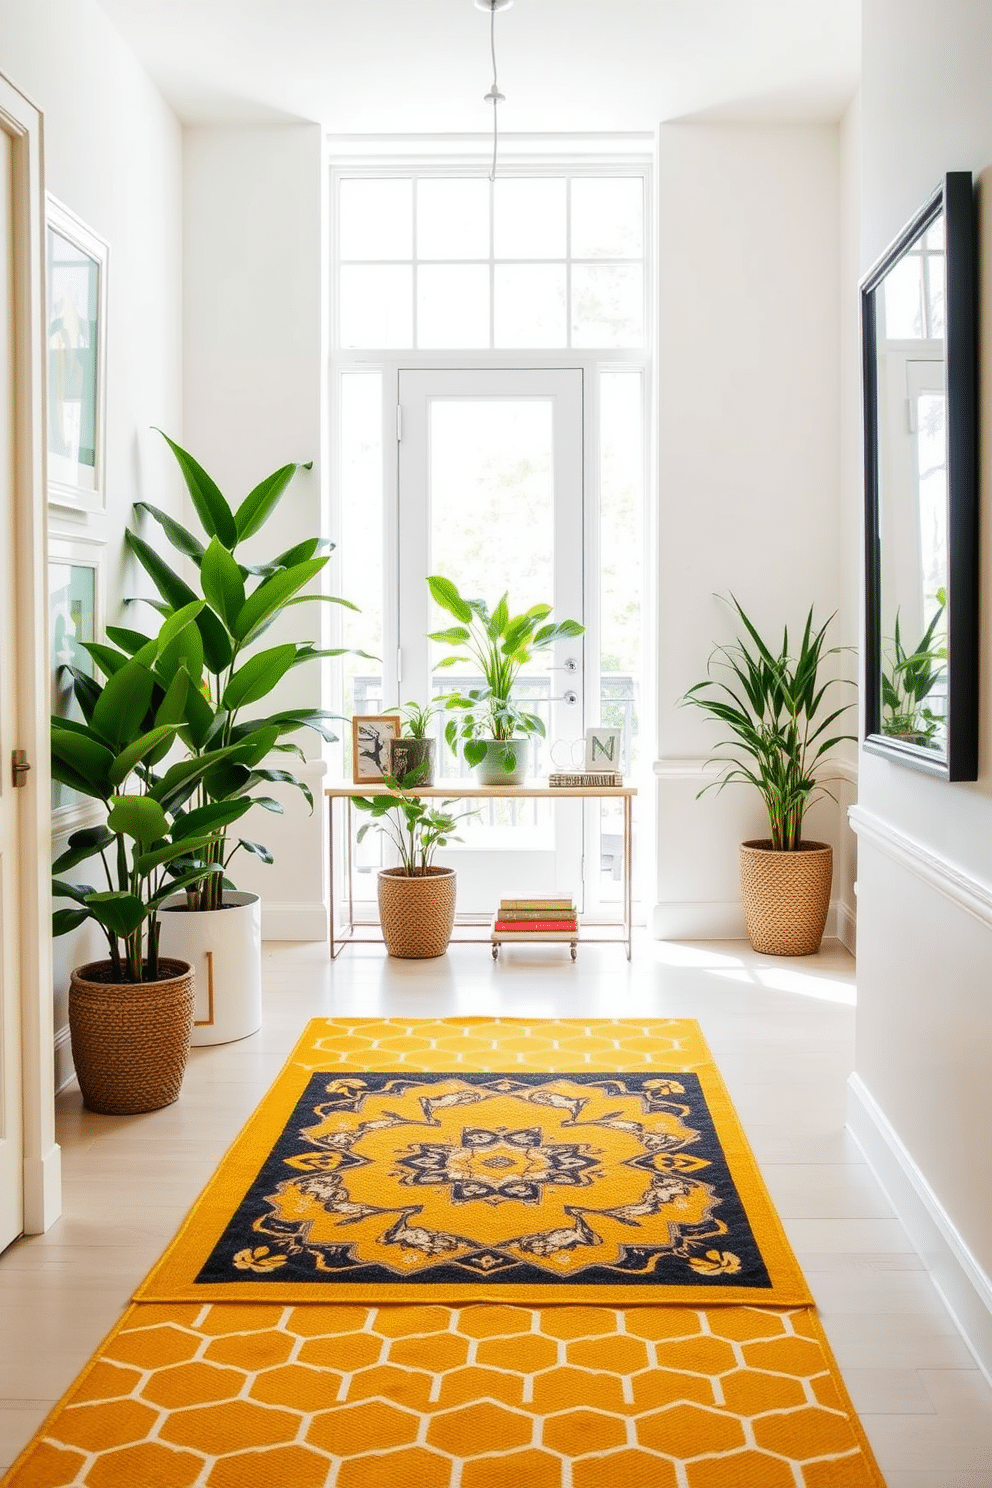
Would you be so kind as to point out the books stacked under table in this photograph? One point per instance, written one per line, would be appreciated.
(537, 918)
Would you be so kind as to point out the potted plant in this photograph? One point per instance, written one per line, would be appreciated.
(130, 1015)
(772, 704)
(908, 679)
(415, 746)
(214, 924)
(494, 730)
(417, 898)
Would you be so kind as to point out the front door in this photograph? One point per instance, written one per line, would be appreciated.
(491, 496)
(11, 1138)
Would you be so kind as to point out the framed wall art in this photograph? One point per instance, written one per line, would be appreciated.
(75, 609)
(76, 319)
(370, 737)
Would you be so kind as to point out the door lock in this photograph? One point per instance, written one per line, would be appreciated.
(19, 766)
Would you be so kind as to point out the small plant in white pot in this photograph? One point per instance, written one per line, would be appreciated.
(493, 731)
(779, 732)
(417, 898)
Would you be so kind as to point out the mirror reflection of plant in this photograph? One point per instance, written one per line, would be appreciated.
(234, 614)
(415, 828)
(909, 677)
(771, 703)
(499, 644)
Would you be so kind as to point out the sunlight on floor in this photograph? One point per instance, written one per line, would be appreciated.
(789, 976)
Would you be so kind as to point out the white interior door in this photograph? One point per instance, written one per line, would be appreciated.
(11, 1136)
(491, 496)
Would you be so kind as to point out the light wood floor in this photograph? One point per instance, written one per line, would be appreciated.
(782, 1034)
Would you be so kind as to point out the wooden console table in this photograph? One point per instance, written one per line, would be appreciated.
(459, 790)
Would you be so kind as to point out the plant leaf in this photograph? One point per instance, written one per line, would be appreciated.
(262, 501)
(211, 508)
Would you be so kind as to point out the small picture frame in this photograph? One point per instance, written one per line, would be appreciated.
(75, 609)
(602, 749)
(370, 735)
(76, 326)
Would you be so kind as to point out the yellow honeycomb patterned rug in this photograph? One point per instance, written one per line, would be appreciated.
(489, 1161)
(483, 1394)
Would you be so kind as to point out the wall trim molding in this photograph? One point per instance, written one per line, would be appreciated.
(704, 767)
(847, 926)
(963, 1285)
(932, 868)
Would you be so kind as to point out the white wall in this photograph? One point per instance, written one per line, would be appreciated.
(113, 156)
(254, 270)
(924, 1045)
(748, 440)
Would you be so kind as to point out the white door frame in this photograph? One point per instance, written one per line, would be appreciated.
(22, 121)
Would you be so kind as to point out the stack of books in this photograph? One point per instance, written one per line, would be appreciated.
(538, 918)
(589, 779)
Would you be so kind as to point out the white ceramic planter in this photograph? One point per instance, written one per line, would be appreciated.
(224, 947)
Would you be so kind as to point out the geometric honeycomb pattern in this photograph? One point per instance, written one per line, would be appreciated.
(322, 1396)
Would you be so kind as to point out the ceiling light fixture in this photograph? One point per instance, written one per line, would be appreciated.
(494, 96)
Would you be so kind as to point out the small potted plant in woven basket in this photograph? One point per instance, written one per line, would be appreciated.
(416, 898)
(130, 1015)
(772, 704)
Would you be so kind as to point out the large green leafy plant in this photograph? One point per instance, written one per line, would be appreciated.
(148, 845)
(239, 602)
(773, 706)
(498, 644)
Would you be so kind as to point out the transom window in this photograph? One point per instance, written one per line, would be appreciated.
(452, 263)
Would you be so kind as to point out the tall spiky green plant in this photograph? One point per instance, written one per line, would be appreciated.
(771, 702)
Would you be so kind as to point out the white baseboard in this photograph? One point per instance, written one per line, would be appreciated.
(962, 1283)
(847, 926)
(699, 920)
(65, 1070)
(724, 920)
(42, 1191)
(293, 921)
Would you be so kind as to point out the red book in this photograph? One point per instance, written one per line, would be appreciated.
(530, 925)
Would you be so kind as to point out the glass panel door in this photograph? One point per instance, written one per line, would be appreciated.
(491, 497)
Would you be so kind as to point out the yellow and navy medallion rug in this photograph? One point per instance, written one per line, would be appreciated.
(295, 1382)
(583, 1162)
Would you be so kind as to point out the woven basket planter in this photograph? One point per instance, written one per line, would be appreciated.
(786, 896)
(130, 1040)
(417, 914)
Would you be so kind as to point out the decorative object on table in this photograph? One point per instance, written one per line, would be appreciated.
(921, 324)
(493, 730)
(227, 687)
(416, 899)
(76, 324)
(535, 918)
(772, 704)
(603, 749)
(371, 735)
(589, 779)
(130, 1048)
(415, 744)
(908, 680)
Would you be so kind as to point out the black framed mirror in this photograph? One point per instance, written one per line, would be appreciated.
(919, 335)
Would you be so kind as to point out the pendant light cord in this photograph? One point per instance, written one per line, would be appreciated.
(494, 94)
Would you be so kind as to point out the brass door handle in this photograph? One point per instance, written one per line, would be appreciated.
(19, 766)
